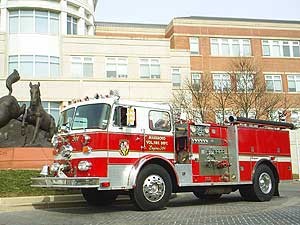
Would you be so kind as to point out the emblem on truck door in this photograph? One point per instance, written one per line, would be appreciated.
(124, 147)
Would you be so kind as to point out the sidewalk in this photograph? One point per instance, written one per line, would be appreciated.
(37, 202)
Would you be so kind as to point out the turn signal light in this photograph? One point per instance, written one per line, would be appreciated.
(105, 184)
(86, 149)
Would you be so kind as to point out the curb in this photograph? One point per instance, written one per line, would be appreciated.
(38, 202)
(50, 201)
(44, 202)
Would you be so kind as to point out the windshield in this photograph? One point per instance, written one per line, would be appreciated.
(91, 116)
(65, 119)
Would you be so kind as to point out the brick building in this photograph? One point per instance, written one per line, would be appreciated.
(212, 44)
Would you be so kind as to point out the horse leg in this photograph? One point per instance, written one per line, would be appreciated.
(51, 129)
(37, 126)
(23, 109)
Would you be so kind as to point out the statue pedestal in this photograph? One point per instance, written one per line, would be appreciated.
(25, 157)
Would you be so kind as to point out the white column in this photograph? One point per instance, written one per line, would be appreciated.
(4, 17)
(63, 17)
(81, 22)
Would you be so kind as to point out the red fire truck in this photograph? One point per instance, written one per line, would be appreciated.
(107, 147)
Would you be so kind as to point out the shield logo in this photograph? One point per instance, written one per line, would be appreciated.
(124, 147)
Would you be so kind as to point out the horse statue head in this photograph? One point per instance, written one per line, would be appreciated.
(35, 94)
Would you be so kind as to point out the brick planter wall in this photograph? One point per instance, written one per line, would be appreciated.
(25, 157)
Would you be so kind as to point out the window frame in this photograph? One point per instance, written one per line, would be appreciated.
(15, 62)
(218, 46)
(194, 45)
(224, 81)
(272, 78)
(151, 64)
(278, 48)
(176, 75)
(82, 62)
(117, 62)
(293, 78)
(20, 15)
(154, 128)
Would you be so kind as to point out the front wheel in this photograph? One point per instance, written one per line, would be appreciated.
(153, 188)
(98, 198)
(263, 187)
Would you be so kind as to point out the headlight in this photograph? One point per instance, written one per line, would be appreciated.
(66, 151)
(54, 141)
(84, 165)
(54, 167)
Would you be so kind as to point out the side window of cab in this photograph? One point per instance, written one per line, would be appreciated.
(159, 121)
(124, 116)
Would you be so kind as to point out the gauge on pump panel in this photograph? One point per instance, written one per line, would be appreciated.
(206, 130)
(199, 130)
(193, 129)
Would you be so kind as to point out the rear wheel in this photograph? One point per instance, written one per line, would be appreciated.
(263, 187)
(153, 188)
(98, 198)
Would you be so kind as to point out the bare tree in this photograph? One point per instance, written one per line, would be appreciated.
(194, 99)
(222, 95)
(251, 90)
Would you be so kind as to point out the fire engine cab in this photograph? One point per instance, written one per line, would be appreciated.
(107, 147)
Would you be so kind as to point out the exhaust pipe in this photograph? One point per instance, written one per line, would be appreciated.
(234, 119)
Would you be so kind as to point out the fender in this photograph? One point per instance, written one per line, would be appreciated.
(268, 161)
(157, 159)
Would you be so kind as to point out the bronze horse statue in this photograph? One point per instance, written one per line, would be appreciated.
(36, 115)
(9, 106)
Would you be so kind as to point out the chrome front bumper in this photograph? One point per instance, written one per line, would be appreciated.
(70, 182)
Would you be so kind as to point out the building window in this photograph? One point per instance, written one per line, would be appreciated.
(230, 47)
(116, 67)
(176, 77)
(194, 45)
(54, 66)
(281, 48)
(33, 21)
(277, 115)
(50, 107)
(149, 68)
(273, 83)
(295, 116)
(245, 82)
(26, 65)
(41, 66)
(293, 83)
(82, 66)
(71, 25)
(251, 114)
(221, 82)
(196, 80)
(220, 118)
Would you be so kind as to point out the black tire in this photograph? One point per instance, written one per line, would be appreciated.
(200, 195)
(98, 198)
(153, 188)
(263, 187)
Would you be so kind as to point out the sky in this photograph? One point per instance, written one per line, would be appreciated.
(163, 11)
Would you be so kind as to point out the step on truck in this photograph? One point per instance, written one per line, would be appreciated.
(106, 147)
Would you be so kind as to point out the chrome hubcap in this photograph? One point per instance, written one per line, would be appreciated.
(154, 188)
(265, 183)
